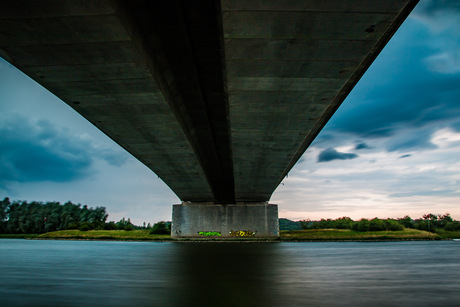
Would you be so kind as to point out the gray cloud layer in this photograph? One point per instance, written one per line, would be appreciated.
(40, 151)
(405, 96)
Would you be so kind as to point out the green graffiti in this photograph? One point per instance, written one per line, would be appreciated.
(210, 233)
(242, 233)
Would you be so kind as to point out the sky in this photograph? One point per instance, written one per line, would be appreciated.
(392, 149)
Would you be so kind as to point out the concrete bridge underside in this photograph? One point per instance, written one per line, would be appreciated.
(218, 98)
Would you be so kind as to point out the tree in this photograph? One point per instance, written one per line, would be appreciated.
(393, 225)
(452, 226)
(160, 228)
(24, 217)
(406, 222)
(343, 223)
(110, 226)
(124, 224)
(362, 225)
(286, 224)
(4, 205)
(305, 224)
(376, 225)
(443, 220)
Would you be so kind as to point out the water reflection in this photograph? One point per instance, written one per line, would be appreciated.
(76, 273)
(226, 274)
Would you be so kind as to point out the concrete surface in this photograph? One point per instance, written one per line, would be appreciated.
(219, 98)
(241, 220)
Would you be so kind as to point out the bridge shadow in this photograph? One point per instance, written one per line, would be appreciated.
(225, 274)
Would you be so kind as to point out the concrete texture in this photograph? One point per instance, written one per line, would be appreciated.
(238, 220)
(218, 98)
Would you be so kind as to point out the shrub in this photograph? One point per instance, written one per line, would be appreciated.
(452, 226)
(393, 225)
(362, 225)
(406, 222)
(376, 225)
(97, 225)
(85, 226)
(305, 224)
(73, 225)
(160, 228)
(344, 223)
(110, 226)
(424, 225)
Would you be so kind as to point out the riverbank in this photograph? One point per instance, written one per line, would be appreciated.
(285, 236)
(350, 235)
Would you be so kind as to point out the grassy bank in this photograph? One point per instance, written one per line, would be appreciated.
(350, 235)
(449, 234)
(120, 235)
(286, 235)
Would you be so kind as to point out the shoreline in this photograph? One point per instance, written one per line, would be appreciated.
(259, 240)
(324, 235)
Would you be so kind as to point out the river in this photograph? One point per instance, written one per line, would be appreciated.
(97, 273)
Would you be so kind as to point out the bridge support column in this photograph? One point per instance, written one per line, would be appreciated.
(234, 220)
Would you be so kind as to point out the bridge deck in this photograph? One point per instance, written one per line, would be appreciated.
(219, 98)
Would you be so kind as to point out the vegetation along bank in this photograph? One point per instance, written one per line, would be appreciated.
(52, 220)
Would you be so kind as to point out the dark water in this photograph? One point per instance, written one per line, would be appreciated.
(80, 273)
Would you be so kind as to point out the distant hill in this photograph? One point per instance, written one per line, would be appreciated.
(286, 224)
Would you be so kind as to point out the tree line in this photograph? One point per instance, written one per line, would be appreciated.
(429, 222)
(22, 217)
(38, 217)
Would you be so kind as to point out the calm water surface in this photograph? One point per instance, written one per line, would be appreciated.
(91, 273)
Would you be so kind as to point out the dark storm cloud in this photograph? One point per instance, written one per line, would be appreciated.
(330, 154)
(39, 151)
(362, 146)
(405, 87)
(385, 110)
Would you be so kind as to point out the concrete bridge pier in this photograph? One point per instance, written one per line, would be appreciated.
(207, 219)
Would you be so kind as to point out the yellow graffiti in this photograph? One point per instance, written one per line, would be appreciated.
(242, 233)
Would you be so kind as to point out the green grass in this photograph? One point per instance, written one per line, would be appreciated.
(285, 235)
(448, 234)
(133, 235)
(346, 234)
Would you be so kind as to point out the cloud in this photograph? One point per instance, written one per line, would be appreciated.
(412, 139)
(445, 137)
(32, 151)
(410, 91)
(425, 193)
(438, 14)
(446, 62)
(330, 154)
(362, 146)
(379, 183)
(443, 20)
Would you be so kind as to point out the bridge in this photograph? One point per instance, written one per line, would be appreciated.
(219, 98)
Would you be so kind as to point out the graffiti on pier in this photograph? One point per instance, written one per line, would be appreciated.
(210, 233)
(242, 233)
